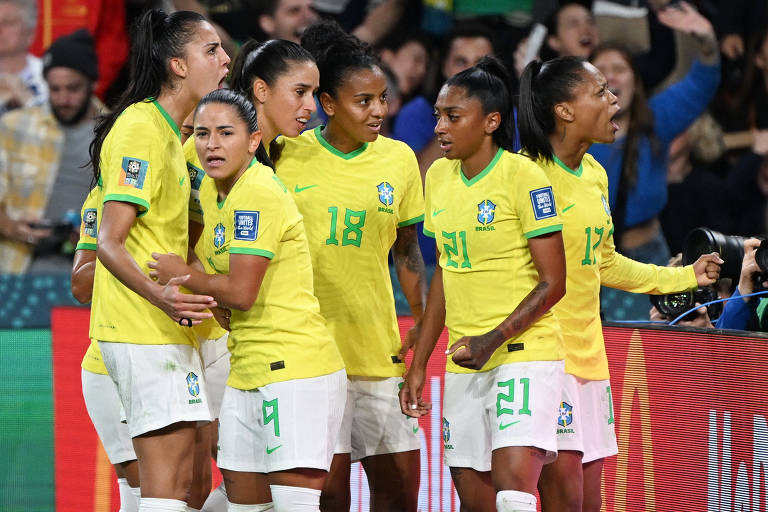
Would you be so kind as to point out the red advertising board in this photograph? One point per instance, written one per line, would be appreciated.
(691, 420)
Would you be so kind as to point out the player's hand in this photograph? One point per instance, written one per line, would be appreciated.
(474, 351)
(222, 316)
(410, 339)
(411, 402)
(167, 266)
(707, 268)
(178, 305)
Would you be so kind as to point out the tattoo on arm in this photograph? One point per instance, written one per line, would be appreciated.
(410, 266)
(527, 312)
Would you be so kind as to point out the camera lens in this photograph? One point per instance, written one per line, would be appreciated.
(761, 257)
(673, 304)
(704, 241)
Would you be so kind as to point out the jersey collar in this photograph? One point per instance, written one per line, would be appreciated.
(327, 145)
(167, 117)
(484, 172)
(576, 173)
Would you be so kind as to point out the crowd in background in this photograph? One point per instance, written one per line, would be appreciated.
(691, 79)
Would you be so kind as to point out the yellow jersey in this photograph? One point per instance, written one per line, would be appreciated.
(481, 227)
(208, 329)
(352, 206)
(282, 336)
(581, 196)
(89, 229)
(142, 162)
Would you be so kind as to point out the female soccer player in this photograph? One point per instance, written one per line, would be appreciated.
(99, 392)
(360, 195)
(283, 404)
(565, 106)
(143, 327)
(501, 268)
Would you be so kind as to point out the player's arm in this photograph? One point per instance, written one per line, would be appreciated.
(83, 268)
(548, 256)
(117, 219)
(411, 274)
(236, 290)
(432, 324)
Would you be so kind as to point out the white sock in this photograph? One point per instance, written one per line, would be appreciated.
(128, 502)
(261, 507)
(295, 499)
(162, 505)
(515, 501)
(216, 501)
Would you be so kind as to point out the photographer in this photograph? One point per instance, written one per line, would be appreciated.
(743, 314)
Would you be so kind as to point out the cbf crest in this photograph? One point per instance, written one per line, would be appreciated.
(446, 431)
(386, 193)
(192, 384)
(218, 235)
(486, 211)
(565, 414)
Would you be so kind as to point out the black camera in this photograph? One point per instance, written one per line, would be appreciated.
(731, 249)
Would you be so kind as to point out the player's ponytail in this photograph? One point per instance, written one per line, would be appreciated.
(488, 82)
(157, 38)
(542, 86)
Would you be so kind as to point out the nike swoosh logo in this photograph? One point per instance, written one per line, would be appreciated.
(298, 189)
(435, 213)
(270, 450)
(502, 426)
(181, 180)
(415, 429)
(568, 207)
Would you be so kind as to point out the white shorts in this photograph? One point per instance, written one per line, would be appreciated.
(158, 384)
(512, 405)
(585, 420)
(373, 422)
(283, 425)
(103, 405)
(216, 369)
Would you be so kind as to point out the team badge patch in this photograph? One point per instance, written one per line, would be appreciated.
(605, 204)
(246, 225)
(543, 203)
(192, 384)
(565, 414)
(133, 172)
(386, 193)
(195, 176)
(89, 222)
(446, 431)
(485, 212)
(218, 235)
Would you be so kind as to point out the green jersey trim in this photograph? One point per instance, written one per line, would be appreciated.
(428, 233)
(411, 222)
(333, 150)
(85, 246)
(484, 172)
(125, 198)
(576, 173)
(168, 118)
(543, 231)
(254, 252)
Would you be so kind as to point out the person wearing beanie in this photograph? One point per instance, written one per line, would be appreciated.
(42, 152)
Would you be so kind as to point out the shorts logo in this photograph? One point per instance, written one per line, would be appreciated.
(543, 203)
(605, 204)
(446, 431)
(485, 212)
(218, 235)
(89, 222)
(565, 414)
(133, 172)
(386, 193)
(246, 225)
(195, 176)
(192, 384)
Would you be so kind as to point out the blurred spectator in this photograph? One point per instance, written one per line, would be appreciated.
(42, 153)
(747, 189)
(636, 163)
(406, 54)
(415, 124)
(369, 20)
(285, 19)
(104, 19)
(394, 101)
(695, 190)
(743, 314)
(21, 73)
